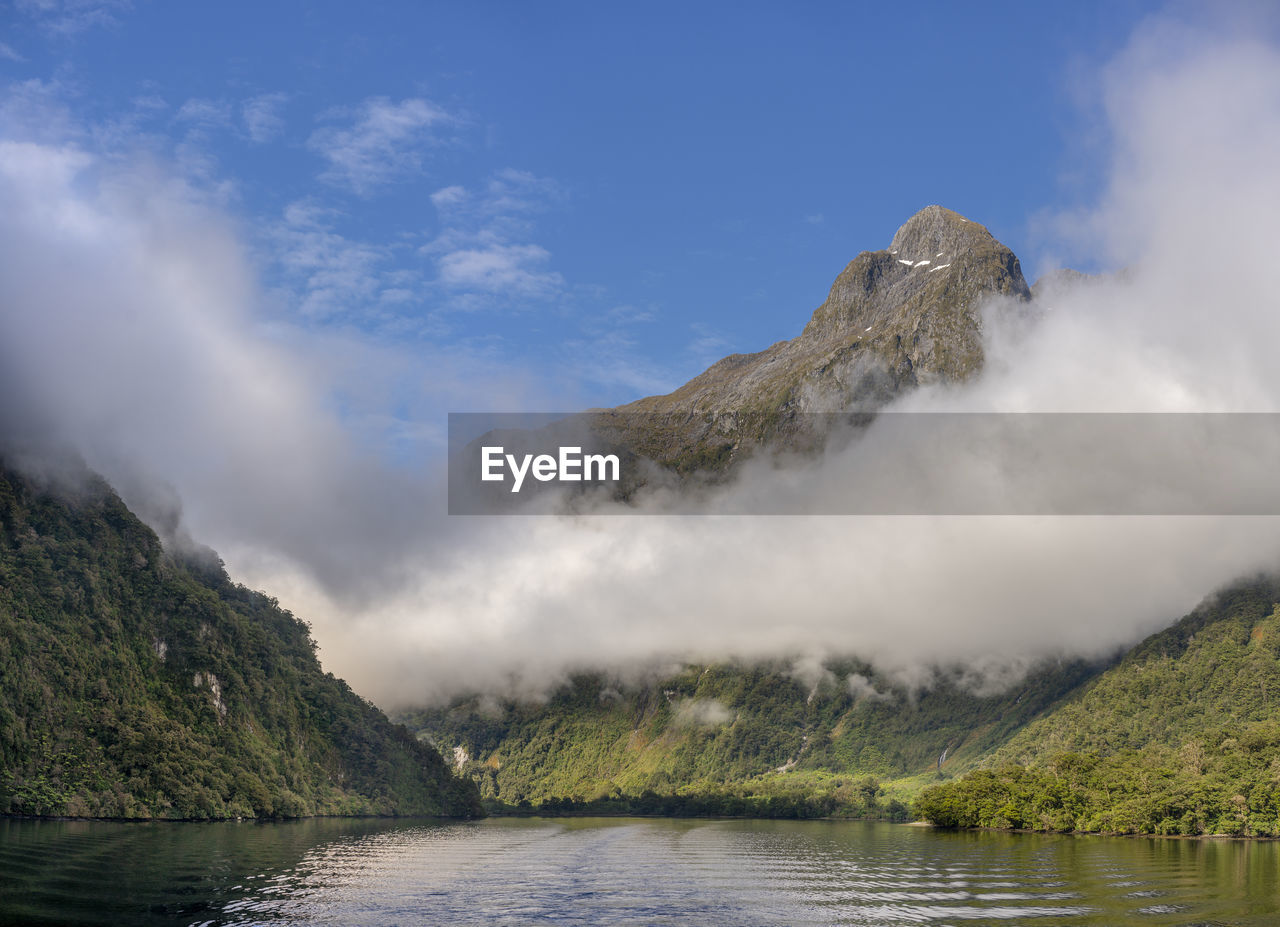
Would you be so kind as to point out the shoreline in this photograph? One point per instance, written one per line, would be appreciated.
(639, 817)
(241, 820)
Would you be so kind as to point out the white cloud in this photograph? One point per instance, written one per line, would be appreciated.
(332, 276)
(205, 113)
(130, 323)
(608, 356)
(142, 289)
(136, 333)
(261, 116)
(508, 270)
(480, 252)
(8, 53)
(628, 315)
(449, 197)
(150, 103)
(701, 712)
(71, 16)
(512, 192)
(33, 110)
(1191, 209)
(503, 206)
(862, 687)
(382, 142)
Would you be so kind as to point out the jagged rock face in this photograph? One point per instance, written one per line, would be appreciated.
(894, 319)
(915, 305)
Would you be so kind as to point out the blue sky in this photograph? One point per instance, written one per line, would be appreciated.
(606, 198)
(251, 255)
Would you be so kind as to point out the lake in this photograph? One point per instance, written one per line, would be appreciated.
(614, 871)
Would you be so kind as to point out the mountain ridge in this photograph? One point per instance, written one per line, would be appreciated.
(750, 739)
(715, 728)
(894, 318)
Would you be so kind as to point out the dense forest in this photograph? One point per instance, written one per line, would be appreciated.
(1182, 737)
(736, 738)
(138, 684)
(1179, 736)
(1222, 782)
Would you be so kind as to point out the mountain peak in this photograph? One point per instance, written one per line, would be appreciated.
(938, 231)
(923, 292)
(893, 319)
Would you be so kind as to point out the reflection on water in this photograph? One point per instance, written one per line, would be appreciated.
(620, 871)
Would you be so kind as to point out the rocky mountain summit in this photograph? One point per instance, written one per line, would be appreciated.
(896, 318)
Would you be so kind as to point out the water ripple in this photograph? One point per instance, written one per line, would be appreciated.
(620, 872)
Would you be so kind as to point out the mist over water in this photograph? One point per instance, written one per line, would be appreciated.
(138, 336)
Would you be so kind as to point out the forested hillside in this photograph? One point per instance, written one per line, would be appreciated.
(134, 685)
(1181, 737)
(752, 733)
(735, 737)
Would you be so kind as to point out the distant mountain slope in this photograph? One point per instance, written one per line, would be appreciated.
(711, 728)
(895, 318)
(1217, 667)
(136, 686)
(1180, 737)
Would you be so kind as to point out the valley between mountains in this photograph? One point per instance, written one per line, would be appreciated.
(141, 682)
(1178, 735)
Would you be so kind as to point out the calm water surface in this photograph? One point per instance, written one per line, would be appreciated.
(620, 871)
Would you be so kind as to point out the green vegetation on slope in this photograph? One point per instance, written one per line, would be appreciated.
(791, 795)
(136, 686)
(1181, 737)
(731, 739)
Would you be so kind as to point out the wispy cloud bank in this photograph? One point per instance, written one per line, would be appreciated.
(138, 335)
(71, 16)
(483, 248)
(209, 113)
(701, 712)
(608, 352)
(131, 329)
(1190, 327)
(262, 118)
(493, 267)
(378, 141)
(331, 276)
